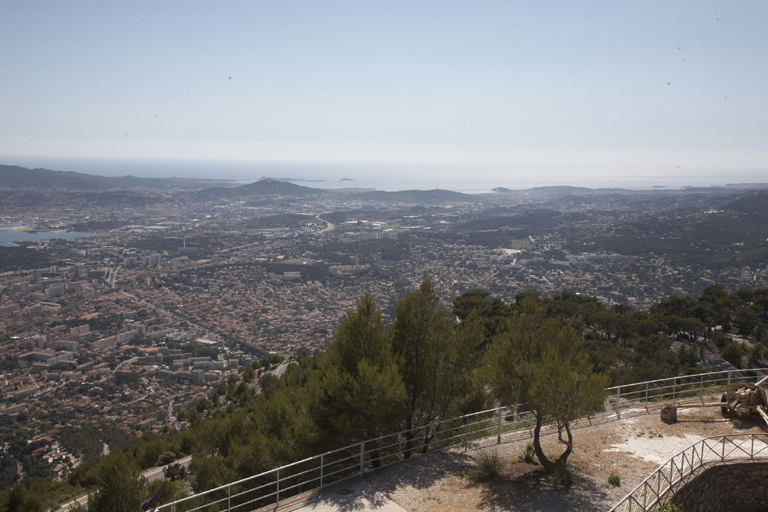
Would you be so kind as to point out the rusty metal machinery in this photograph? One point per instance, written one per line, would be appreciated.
(739, 397)
(746, 397)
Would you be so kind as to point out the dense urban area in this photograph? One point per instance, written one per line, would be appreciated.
(128, 305)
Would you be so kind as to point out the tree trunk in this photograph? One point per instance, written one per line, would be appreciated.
(409, 434)
(568, 444)
(548, 465)
(375, 458)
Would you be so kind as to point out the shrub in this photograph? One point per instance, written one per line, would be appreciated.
(175, 472)
(486, 466)
(561, 470)
(166, 458)
(671, 506)
(529, 453)
(614, 480)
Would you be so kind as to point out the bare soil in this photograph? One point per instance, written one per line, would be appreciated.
(631, 448)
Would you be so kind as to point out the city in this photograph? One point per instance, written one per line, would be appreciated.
(173, 291)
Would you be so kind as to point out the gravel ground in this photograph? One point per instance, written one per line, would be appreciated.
(631, 448)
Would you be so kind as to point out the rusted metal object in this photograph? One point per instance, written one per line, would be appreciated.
(669, 414)
(746, 397)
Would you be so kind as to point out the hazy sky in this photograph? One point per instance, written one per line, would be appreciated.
(558, 87)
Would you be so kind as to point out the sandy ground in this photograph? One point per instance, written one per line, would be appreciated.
(631, 448)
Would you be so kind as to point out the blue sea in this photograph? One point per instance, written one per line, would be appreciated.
(392, 177)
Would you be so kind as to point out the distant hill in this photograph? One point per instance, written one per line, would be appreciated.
(263, 187)
(418, 196)
(529, 219)
(270, 186)
(756, 203)
(13, 176)
(561, 191)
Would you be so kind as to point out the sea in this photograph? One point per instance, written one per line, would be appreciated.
(7, 238)
(393, 177)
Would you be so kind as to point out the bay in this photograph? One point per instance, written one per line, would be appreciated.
(8, 237)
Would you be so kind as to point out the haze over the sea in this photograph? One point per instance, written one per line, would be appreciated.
(396, 94)
(391, 177)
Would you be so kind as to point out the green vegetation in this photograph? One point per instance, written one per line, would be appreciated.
(430, 363)
(21, 258)
(540, 363)
(486, 466)
(362, 395)
(529, 453)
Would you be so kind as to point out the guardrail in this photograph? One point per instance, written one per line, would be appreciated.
(645, 394)
(273, 486)
(671, 476)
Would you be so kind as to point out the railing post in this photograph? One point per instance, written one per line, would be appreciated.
(646, 397)
(466, 433)
(229, 498)
(322, 468)
(674, 388)
(618, 402)
(362, 458)
(701, 387)
(400, 446)
(498, 430)
(277, 482)
(729, 376)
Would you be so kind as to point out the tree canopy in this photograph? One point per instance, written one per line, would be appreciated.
(540, 364)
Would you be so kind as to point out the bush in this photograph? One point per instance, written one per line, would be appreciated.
(671, 506)
(175, 472)
(561, 471)
(166, 458)
(529, 453)
(486, 466)
(614, 480)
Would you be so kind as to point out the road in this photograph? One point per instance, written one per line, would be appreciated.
(112, 277)
(172, 315)
(152, 475)
(328, 225)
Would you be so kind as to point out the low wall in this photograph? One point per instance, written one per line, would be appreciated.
(741, 487)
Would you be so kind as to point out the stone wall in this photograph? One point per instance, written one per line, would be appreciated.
(738, 487)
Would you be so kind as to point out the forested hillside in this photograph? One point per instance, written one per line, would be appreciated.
(432, 361)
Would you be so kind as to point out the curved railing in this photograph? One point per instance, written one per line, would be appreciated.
(671, 476)
(314, 473)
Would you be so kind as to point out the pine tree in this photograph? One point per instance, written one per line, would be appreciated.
(361, 393)
(538, 363)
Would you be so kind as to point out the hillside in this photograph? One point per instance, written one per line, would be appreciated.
(12, 177)
(265, 187)
(418, 196)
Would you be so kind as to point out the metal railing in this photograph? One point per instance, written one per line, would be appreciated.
(662, 484)
(273, 486)
(644, 395)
